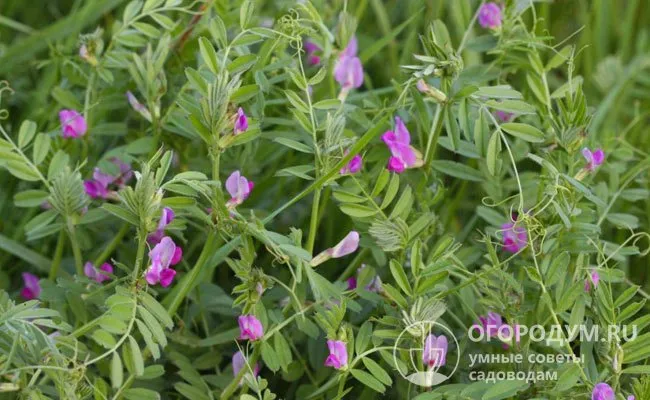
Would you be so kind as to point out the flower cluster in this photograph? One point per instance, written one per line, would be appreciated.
(99, 275)
(98, 186)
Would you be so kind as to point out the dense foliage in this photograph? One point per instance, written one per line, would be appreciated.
(278, 199)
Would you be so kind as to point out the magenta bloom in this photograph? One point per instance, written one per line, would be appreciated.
(32, 288)
(352, 283)
(239, 189)
(241, 121)
(491, 324)
(93, 273)
(515, 238)
(435, 351)
(399, 143)
(166, 217)
(603, 391)
(250, 328)
(489, 16)
(593, 277)
(98, 186)
(239, 362)
(338, 357)
(73, 124)
(594, 159)
(311, 48)
(353, 166)
(164, 255)
(348, 70)
(504, 116)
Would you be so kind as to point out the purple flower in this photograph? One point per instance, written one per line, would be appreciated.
(250, 328)
(514, 237)
(73, 124)
(311, 48)
(164, 255)
(375, 285)
(98, 186)
(239, 362)
(239, 189)
(166, 217)
(91, 272)
(348, 70)
(631, 397)
(435, 351)
(422, 86)
(338, 357)
(490, 324)
(138, 107)
(352, 283)
(399, 143)
(489, 16)
(594, 159)
(348, 245)
(241, 121)
(504, 116)
(32, 288)
(593, 277)
(353, 166)
(602, 391)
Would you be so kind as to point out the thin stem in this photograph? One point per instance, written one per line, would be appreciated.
(234, 384)
(142, 242)
(313, 223)
(434, 134)
(58, 255)
(76, 250)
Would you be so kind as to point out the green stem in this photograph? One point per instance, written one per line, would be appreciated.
(58, 255)
(142, 242)
(313, 223)
(117, 239)
(76, 250)
(434, 134)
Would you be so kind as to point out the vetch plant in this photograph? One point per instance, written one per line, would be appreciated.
(324, 200)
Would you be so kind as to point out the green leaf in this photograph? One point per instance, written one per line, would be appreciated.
(22, 170)
(104, 338)
(505, 389)
(363, 337)
(121, 213)
(41, 148)
(511, 106)
(328, 104)
(377, 371)
(26, 133)
(358, 210)
(30, 198)
(368, 380)
(524, 131)
(209, 55)
(117, 372)
(157, 310)
(246, 13)
(270, 358)
(296, 101)
(294, 145)
(282, 350)
(400, 277)
(140, 394)
(391, 192)
(457, 170)
(493, 151)
(136, 356)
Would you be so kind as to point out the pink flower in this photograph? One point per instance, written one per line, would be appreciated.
(239, 189)
(352, 283)
(491, 324)
(515, 237)
(504, 116)
(353, 166)
(594, 159)
(399, 143)
(593, 277)
(138, 107)
(311, 48)
(98, 186)
(92, 272)
(348, 70)
(631, 397)
(73, 124)
(250, 328)
(489, 16)
(164, 255)
(241, 121)
(32, 289)
(435, 351)
(166, 217)
(338, 357)
(349, 244)
(239, 362)
(603, 391)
